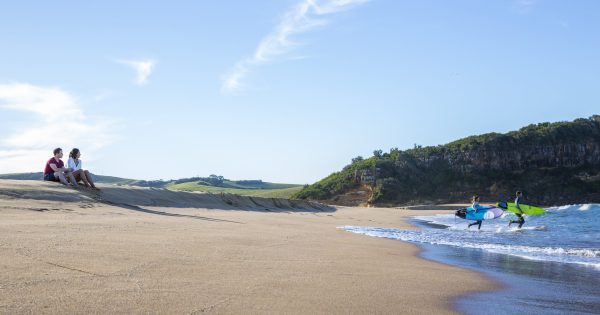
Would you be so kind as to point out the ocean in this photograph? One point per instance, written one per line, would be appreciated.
(550, 266)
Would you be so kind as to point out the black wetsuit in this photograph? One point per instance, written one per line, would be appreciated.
(521, 220)
(475, 207)
(474, 223)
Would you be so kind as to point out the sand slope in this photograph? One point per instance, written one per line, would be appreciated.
(135, 250)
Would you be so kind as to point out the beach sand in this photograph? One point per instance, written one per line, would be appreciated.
(134, 250)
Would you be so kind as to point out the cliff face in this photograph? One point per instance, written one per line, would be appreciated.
(554, 163)
(517, 158)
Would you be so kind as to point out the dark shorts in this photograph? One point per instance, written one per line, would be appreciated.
(50, 177)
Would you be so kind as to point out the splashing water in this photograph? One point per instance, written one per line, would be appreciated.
(567, 234)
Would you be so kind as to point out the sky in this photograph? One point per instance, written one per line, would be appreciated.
(285, 91)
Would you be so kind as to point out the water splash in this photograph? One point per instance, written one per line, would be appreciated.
(567, 234)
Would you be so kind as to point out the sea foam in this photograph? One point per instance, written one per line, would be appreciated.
(567, 234)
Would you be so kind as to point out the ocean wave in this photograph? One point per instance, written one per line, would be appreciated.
(585, 256)
(576, 207)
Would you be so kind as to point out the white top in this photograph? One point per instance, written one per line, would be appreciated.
(75, 167)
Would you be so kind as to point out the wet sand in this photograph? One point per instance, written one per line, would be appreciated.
(132, 250)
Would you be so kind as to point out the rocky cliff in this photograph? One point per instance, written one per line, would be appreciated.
(553, 163)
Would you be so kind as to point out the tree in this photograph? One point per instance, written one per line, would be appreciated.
(378, 153)
(357, 159)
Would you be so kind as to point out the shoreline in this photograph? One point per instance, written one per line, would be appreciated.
(560, 287)
(429, 252)
(64, 252)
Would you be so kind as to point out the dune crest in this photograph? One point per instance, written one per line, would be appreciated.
(130, 196)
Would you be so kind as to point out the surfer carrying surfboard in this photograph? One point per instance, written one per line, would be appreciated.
(519, 214)
(476, 206)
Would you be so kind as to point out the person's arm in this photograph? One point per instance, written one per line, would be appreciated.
(518, 204)
(58, 169)
(71, 164)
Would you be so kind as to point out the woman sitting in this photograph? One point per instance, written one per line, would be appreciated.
(78, 172)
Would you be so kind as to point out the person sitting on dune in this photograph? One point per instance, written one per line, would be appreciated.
(78, 172)
(55, 170)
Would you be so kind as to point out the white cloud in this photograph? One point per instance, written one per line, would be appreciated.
(57, 121)
(305, 16)
(231, 82)
(525, 6)
(142, 68)
(51, 103)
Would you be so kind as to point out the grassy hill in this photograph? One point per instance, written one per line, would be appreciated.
(219, 184)
(271, 190)
(553, 163)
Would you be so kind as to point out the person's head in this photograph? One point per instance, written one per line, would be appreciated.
(58, 153)
(519, 193)
(75, 154)
(475, 198)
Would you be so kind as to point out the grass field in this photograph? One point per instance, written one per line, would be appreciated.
(265, 192)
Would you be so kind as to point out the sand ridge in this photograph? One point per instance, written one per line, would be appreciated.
(129, 250)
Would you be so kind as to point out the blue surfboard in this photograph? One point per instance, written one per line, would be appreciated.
(483, 213)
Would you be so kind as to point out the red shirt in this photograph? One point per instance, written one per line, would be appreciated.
(49, 169)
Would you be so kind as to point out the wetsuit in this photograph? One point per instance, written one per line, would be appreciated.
(476, 206)
(521, 220)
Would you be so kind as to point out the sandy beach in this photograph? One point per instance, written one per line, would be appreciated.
(134, 250)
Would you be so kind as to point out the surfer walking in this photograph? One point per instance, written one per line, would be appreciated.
(519, 214)
(476, 207)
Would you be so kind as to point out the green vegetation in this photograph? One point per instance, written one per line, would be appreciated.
(219, 184)
(275, 190)
(552, 162)
(337, 182)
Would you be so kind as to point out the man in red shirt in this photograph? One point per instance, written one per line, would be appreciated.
(55, 168)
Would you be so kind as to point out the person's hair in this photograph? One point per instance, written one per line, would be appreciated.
(475, 197)
(57, 150)
(519, 192)
(73, 153)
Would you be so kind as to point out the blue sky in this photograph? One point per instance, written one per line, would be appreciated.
(284, 91)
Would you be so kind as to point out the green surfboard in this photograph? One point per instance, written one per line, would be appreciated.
(527, 209)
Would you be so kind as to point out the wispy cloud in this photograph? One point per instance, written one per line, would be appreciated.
(57, 121)
(142, 68)
(303, 17)
(525, 6)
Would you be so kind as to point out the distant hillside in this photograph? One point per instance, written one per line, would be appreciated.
(276, 190)
(219, 184)
(213, 184)
(553, 163)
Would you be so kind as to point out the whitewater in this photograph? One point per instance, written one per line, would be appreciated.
(567, 234)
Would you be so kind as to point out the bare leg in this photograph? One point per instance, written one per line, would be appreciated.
(89, 178)
(85, 179)
(61, 178)
(72, 180)
(79, 175)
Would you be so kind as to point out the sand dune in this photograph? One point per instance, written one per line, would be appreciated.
(137, 250)
(157, 197)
